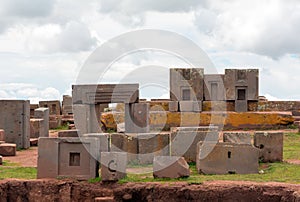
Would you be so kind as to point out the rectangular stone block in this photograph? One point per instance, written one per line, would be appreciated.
(36, 128)
(32, 108)
(43, 113)
(68, 157)
(124, 143)
(113, 166)
(15, 121)
(53, 106)
(2, 135)
(237, 137)
(214, 87)
(103, 140)
(67, 105)
(186, 84)
(173, 106)
(210, 128)
(137, 118)
(170, 167)
(226, 158)
(152, 144)
(270, 145)
(7, 149)
(68, 133)
(190, 106)
(184, 143)
(241, 105)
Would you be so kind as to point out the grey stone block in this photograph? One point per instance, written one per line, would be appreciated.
(270, 145)
(68, 157)
(15, 121)
(137, 118)
(170, 167)
(152, 144)
(43, 113)
(184, 143)
(7, 149)
(173, 106)
(237, 137)
(214, 89)
(113, 166)
(36, 128)
(190, 106)
(241, 105)
(53, 106)
(226, 158)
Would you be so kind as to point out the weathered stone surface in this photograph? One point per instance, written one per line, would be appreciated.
(113, 166)
(32, 108)
(214, 87)
(14, 120)
(152, 144)
(2, 135)
(184, 143)
(103, 138)
(121, 127)
(137, 118)
(7, 149)
(36, 127)
(224, 158)
(186, 84)
(195, 128)
(53, 106)
(68, 157)
(237, 137)
(270, 145)
(1, 160)
(230, 120)
(173, 106)
(241, 105)
(34, 142)
(105, 93)
(68, 133)
(190, 106)
(43, 113)
(170, 167)
(67, 105)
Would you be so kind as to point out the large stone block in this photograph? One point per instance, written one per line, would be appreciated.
(237, 137)
(241, 105)
(2, 135)
(152, 144)
(15, 121)
(137, 118)
(214, 89)
(103, 138)
(226, 158)
(53, 106)
(43, 113)
(68, 157)
(186, 84)
(67, 105)
(7, 149)
(68, 133)
(173, 106)
(190, 106)
(113, 166)
(36, 127)
(270, 145)
(184, 143)
(32, 108)
(170, 167)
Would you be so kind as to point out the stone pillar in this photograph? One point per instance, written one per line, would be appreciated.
(43, 113)
(113, 165)
(137, 118)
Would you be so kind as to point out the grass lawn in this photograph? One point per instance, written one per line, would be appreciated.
(275, 172)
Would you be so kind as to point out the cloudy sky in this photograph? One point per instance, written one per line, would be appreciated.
(44, 43)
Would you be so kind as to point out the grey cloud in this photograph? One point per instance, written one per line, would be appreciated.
(28, 9)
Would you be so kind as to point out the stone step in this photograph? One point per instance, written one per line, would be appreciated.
(105, 199)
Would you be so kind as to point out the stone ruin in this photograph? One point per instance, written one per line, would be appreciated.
(82, 151)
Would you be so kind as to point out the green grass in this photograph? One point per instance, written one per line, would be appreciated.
(63, 127)
(14, 170)
(291, 146)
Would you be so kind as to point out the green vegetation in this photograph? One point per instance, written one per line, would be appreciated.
(291, 147)
(14, 170)
(63, 127)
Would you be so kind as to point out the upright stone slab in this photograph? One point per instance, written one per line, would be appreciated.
(113, 166)
(183, 142)
(14, 119)
(137, 118)
(2, 135)
(32, 108)
(152, 144)
(68, 157)
(37, 128)
(43, 113)
(226, 158)
(67, 105)
(173, 106)
(270, 145)
(170, 167)
(237, 137)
